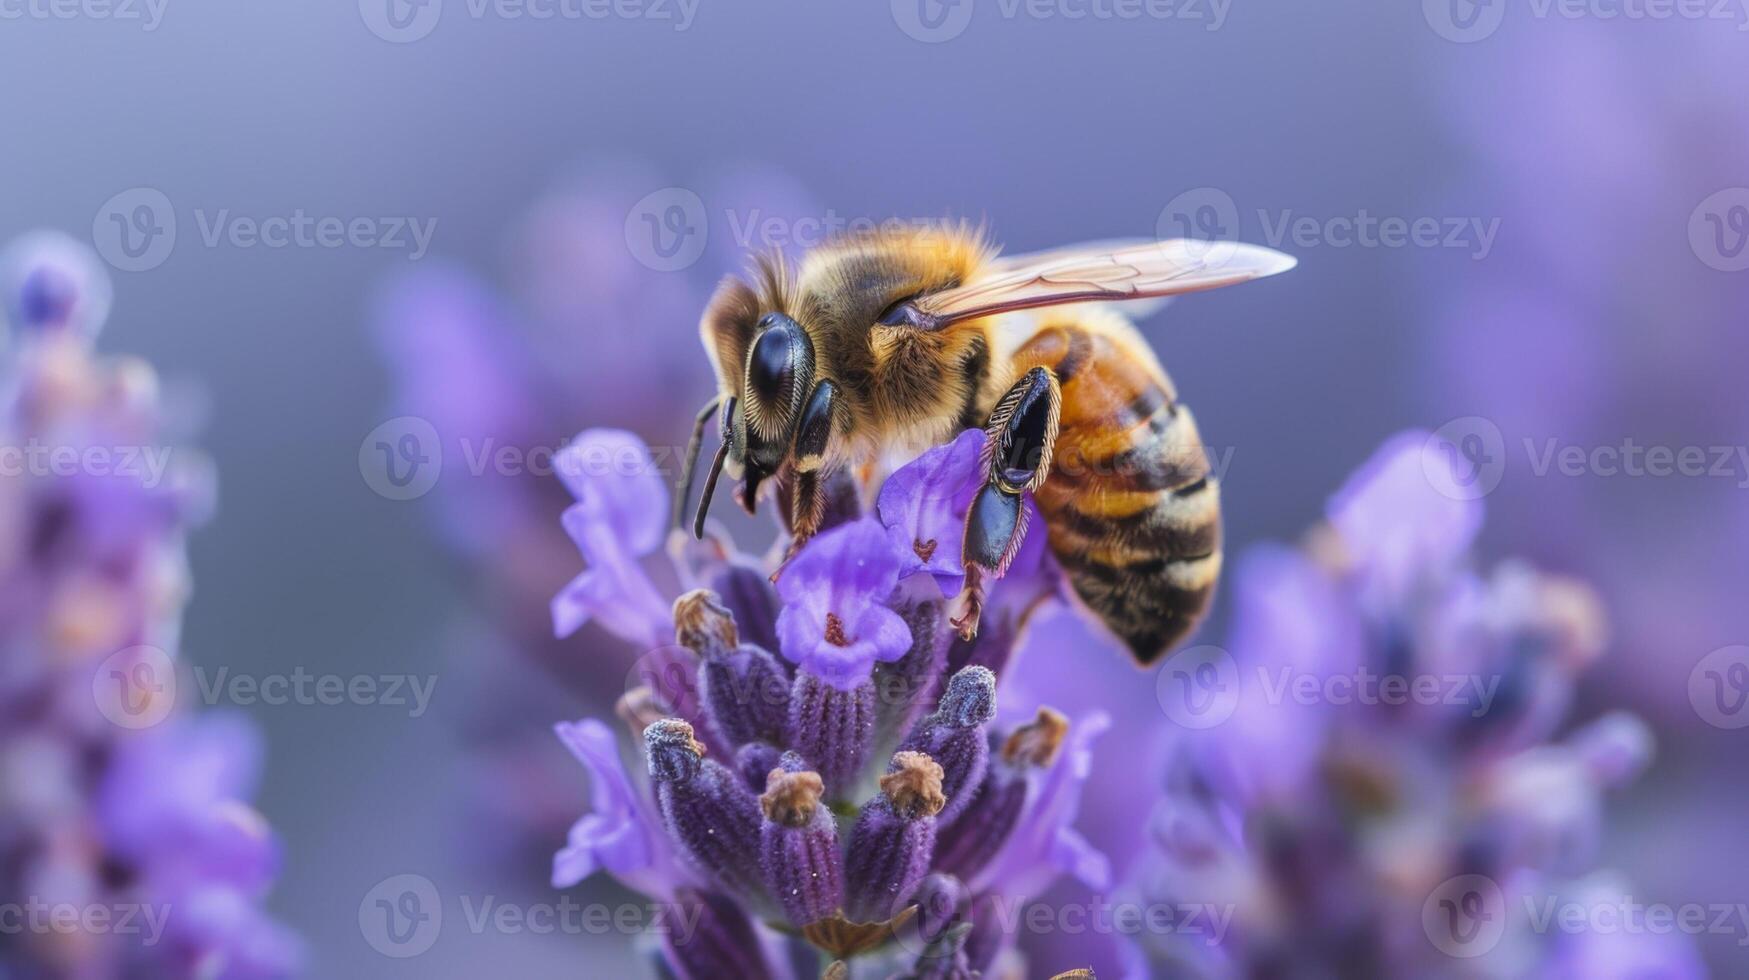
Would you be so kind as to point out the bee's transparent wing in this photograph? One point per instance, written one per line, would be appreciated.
(1104, 272)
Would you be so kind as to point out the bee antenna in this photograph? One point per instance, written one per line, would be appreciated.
(691, 466)
(710, 489)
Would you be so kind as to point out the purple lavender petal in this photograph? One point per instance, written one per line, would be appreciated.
(834, 624)
(622, 834)
(620, 516)
(923, 506)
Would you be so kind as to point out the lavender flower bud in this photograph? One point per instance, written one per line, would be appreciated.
(967, 846)
(799, 847)
(954, 737)
(893, 839)
(703, 625)
(721, 942)
(708, 810)
(743, 690)
(832, 729)
(754, 761)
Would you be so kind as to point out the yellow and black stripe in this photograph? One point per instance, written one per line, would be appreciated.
(1131, 503)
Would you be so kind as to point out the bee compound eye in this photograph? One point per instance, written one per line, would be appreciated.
(780, 365)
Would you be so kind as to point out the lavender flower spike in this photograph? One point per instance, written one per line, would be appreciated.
(805, 732)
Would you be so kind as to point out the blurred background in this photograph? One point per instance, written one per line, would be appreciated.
(337, 227)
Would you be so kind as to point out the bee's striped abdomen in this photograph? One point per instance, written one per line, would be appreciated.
(1132, 506)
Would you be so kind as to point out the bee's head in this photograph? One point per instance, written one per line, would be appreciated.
(758, 424)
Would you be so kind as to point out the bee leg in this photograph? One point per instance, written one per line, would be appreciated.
(1021, 435)
(808, 457)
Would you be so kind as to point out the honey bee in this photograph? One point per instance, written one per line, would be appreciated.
(878, 346)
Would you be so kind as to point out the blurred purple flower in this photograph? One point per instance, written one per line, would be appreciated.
(1618, 275)
(823, 795)
(114, 806)
(1327, 824)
